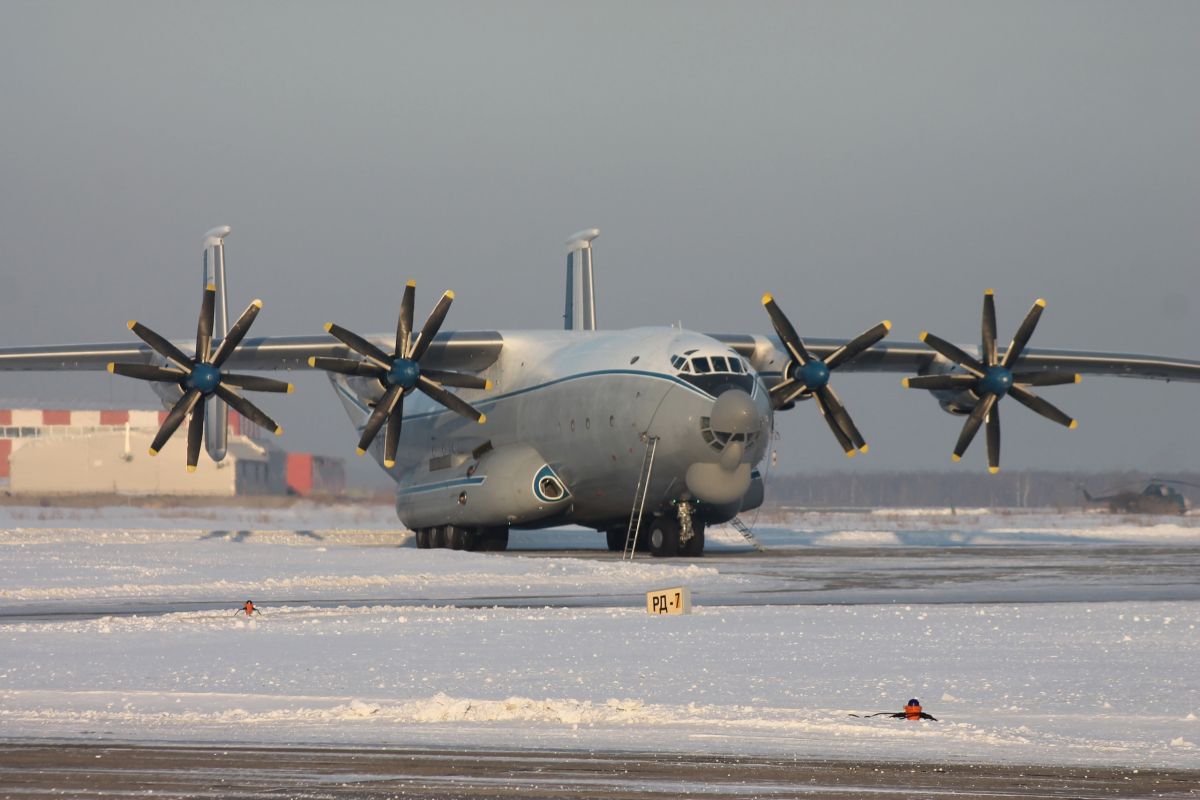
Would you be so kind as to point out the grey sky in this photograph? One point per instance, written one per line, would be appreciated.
(860, 161)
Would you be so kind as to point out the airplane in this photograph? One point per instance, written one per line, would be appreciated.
(1156, 497)
(654, 428)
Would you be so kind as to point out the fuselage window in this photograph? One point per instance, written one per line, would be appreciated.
(700, 365)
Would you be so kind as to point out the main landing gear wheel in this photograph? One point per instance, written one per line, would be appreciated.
(493, 539)
(694, 547)
(423, 537)
(663, 537)
(459, 538)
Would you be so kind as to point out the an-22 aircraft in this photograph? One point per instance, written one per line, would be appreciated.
(603, 429)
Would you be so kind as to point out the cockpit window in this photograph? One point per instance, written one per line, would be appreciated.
(719, 364)
(700, 365)
(678, 362)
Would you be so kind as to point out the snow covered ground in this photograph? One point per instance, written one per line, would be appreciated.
(1082, 682)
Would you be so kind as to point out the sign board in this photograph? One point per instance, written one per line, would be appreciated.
(677, 600)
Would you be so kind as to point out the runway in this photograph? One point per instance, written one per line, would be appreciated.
(35, 770)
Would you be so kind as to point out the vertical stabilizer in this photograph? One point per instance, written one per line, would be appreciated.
(216, 415)
(580, 314)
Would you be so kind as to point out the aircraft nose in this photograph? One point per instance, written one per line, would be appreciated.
(733, 425)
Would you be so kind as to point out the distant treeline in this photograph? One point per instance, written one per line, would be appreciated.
(1011, 489)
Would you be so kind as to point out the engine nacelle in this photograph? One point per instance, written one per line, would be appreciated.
(960, 404)
(511, 485)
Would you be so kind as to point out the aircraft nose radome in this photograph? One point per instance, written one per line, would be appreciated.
(734, 412)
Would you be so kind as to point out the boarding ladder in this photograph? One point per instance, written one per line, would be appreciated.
(741, 527)
(639, 498)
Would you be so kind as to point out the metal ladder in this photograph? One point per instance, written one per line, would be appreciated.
(639, 499)
(741, 527)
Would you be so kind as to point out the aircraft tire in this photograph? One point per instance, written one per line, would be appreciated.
(493, 539)
(694, 547)
(663, 538)
(616, 539)
(457, 538)
(423, 537)
(437, 536)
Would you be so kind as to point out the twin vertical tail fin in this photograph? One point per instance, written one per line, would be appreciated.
(580, 313)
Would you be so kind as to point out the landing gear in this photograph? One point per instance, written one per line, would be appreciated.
(616, 539)
(458, 538)
(663, 537)
(694, 547)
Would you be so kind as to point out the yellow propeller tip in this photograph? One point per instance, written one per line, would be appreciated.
(851, 453)
(358, 451)
(904, 382)
(212, 287)
(487, 385)
(256, 303)
(191, 467)
(389, 464)
(153, 452)
(482, 418)
(312, 361)
(130, 324)
(291, 388)
(1078, 377)
(864, 448)
(767, 298)
(1074, 424)
(1040, 302)
(922, 335)
(993, 470)
(328, 327)
(955, 457)
(279, 430)
(989, 291)
(450, 293)
(887, 324)
(112, 367)
(412, 284)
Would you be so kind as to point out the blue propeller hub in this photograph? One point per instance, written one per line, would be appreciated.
(404, 373)
(997, 381)
(204, 377)
(814, 374)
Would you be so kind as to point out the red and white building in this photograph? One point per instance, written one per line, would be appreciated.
(59, 451)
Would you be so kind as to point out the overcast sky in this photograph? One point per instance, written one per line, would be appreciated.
(861, 161)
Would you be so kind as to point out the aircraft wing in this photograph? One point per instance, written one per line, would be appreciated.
(463, 350)
(767, 355)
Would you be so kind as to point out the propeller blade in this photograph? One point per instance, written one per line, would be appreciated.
(953, 382)
(359, 345)
(993, 439)
(145, 372)
(391, 438)
(1045, 378)
(346, 366)
(248, 409)
(404, 324)
(971, 426)
(852, 349)
(256, 383)
(160, 345)
(1023, 333)
(195, 436)
(432, 325)
(838, 433)
(835, 407)
(785, 391)
(787, 333)
(450, 401)
(458, 380)
(954, 353)
(236, 333)
(1035, 403)
(988, 338)
(204, 328)
(171, 424)
(378, 417)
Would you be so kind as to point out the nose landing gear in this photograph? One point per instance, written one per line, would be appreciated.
(681, 536)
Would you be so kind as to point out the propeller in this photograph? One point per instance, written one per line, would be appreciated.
(806, 374)
(993, 378)
(401, 372)
(201, 376)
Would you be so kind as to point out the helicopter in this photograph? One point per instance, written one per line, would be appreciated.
(1157, 497)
